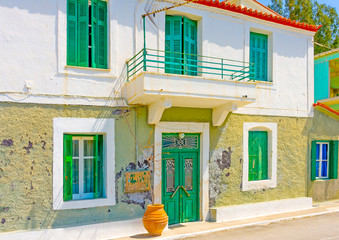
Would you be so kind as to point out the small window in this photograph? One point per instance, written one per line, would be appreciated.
(259, 56)
(258, 155)
(83, 167)
(87, 33)
(324, 160)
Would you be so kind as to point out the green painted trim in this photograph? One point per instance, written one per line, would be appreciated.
(324, 58)
(259, 45)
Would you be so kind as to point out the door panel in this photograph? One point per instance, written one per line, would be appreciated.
(190, 187)
(170, 162)
(180, 178)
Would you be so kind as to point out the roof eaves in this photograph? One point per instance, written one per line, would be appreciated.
(256, 14)
(326, 53)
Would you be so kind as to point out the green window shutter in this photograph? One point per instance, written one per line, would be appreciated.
(68, 167)
(190, 47)
(101, 37)
(98, 166)
(258, 155)
(72, 9)
(259, 55)
(173, 43)
(333, 170)
(94, 32)
(83, 33)
(313, 160)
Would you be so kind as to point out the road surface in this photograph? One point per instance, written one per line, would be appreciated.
(323, 227)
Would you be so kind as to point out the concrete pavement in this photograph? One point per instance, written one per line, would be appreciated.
(199, 228)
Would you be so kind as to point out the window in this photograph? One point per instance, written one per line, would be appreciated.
(83, 163)
(259, 155)
(259, 56)
(180, 45)
(87, 33)
(83, 167)
(324, 161)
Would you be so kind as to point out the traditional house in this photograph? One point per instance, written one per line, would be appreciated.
(215, 98)
(323, 183)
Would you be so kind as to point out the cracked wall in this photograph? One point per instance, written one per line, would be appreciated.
(226, 156)
(26, 160)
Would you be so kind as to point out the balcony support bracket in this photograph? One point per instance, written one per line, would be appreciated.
(220, 113)
(156, 109)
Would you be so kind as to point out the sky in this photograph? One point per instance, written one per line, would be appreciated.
(332, 3)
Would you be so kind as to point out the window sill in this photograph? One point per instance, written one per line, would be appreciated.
(84, 203)
(265, 85)
(88, 68)
(258, 185)
(322, 179)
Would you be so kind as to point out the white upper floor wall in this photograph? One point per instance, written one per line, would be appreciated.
(33, 37)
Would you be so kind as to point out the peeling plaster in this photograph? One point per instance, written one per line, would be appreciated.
(220, 160)
(225, 160)
(30, 146)
(7, 142)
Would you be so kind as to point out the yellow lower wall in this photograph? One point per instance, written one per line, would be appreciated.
(26, 166)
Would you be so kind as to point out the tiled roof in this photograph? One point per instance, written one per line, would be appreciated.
(256, 14)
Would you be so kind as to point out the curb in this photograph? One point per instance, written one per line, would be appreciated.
(246, 225)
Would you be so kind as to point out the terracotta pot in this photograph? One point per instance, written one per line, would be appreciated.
(155, 219)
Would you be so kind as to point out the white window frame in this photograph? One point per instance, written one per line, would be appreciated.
(88, 126)
(81, 158)
(320, 160)
(271, 182)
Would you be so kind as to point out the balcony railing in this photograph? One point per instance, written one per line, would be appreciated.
(188, 64)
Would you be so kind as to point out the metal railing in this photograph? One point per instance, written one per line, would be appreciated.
(188, 64)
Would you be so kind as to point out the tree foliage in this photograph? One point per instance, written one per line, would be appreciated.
(312, 12)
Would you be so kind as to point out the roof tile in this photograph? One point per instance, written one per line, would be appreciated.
(264, 16)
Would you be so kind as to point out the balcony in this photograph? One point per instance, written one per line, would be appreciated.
(162, 79)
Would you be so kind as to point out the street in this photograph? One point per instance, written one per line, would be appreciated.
(323, 227)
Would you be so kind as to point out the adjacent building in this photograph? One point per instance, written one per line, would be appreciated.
(324, 134)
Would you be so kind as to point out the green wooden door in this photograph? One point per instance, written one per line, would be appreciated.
(258, 155)
(180, 177)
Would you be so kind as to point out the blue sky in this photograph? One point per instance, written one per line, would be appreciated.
(333, 3)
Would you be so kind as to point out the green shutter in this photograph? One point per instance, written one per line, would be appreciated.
(94, 32)
(333, 170)
(72, 9)
(173, 43)
(258, 155)
(313, 160)
(259, 55)
(83, 33)
(68, 167)
(190, 47)
(98, 166)
(101, 37)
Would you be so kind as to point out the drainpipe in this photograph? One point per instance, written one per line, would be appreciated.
(135, 27)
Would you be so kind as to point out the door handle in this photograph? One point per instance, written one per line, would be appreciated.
(186, 191)
(175, 191)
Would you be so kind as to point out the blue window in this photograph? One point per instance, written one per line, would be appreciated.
(324, 162)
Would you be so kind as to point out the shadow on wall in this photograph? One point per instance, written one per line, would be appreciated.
(39, 6)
